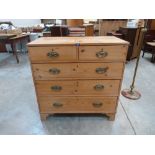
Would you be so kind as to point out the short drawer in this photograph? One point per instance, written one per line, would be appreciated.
(78, 70)
(100, 70)
(103, 53)
(55, 70)
(99, 87)
(56, 87)
(53, 53)
(77, 105)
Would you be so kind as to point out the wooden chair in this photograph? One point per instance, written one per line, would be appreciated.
(149, 37)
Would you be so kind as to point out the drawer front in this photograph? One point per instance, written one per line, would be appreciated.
(101, 70)
(78, 70)
(56, 87)
(99, 87)
(77, 105)
(50, 71)
(80, 87)
(51, 54)
(103, 53)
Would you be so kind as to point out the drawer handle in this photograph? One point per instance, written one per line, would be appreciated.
(97, 104)
(56, 88)
(101, 54)
(101, 70)
(52, 54)
(99, 87)
(54, 71)
(57, 104)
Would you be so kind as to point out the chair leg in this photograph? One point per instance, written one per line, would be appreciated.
(152, 59)
(143, 54)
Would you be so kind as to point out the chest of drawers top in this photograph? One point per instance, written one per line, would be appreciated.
(72, 49)
(95, 40)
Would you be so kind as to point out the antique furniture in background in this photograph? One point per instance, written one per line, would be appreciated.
(75, 22)
(2, 47)
(151, 24)
(47, 34)
(61, 30)
(89, 29)
(111, 25)
(132, 36)
(84, 30)
(2, 31)
(116, 34)
(148, 48)
(13, 40)
(64, 30)
(78, 74)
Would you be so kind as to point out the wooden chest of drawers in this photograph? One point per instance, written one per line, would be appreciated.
(77, 74)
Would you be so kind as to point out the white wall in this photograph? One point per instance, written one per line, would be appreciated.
(23, 22)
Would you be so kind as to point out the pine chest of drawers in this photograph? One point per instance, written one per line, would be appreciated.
(77, 74)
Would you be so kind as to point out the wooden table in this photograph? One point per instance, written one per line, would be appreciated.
(13, 39)
(6, 36)
(2, 38)
(152, 46)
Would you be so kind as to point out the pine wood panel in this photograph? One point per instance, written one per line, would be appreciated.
(90, 87)
(77, 105)
(112, 53)
(79, 87)
(92, 40)
(63, 53)
(78, 70)
(108, 70)
(42, 71)
(67, 87)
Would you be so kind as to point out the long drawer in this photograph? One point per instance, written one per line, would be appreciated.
(77, 70)
(53, 53)
(78, 87)
(77, 104)
(102, 53)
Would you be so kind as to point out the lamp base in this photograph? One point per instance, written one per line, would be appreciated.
(134, 95)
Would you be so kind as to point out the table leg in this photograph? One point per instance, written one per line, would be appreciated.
(143, 54)
(153, 58)
(13, 46)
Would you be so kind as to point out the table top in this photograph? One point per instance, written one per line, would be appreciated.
(95, 40)
(6, 36)
(151, 43)
(47, 32)
(12, 36)
(19, 36)
(116, 34)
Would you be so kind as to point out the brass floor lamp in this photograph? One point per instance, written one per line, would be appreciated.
(131, 93)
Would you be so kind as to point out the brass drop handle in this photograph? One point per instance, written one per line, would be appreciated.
(97, 104)
(57, 104)
(99, 87)
(52, 54)
(101, 54)
(54, 71)
(101, 70)
(56, 88)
